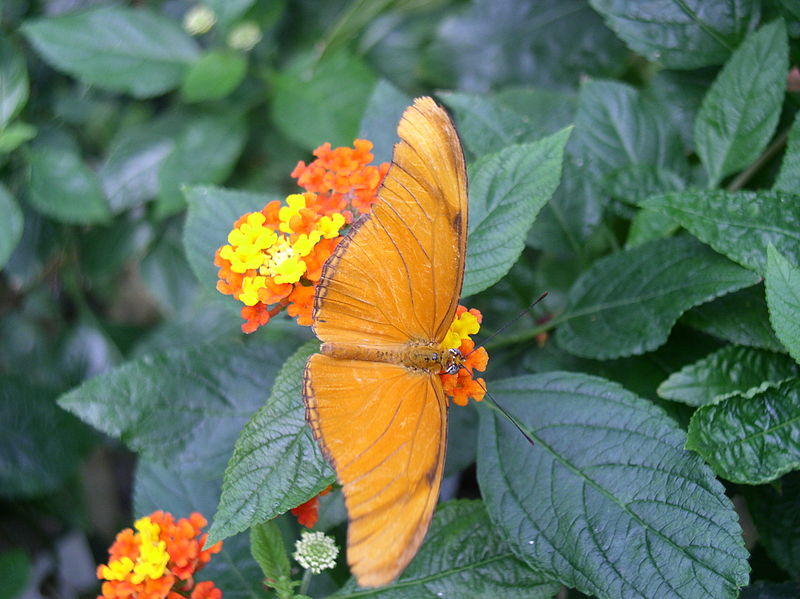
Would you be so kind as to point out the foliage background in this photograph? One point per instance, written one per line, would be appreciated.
(670, 250)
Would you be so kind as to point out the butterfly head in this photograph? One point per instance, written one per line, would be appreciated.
(452, 361)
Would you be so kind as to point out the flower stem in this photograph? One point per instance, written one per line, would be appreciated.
(305, 582)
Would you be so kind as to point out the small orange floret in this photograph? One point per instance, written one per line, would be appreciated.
(307, 513)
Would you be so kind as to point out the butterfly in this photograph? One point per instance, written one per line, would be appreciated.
(385, 301)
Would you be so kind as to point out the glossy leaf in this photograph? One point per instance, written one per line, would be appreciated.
(783, 298)
(740, 111)
(212, 212)
(13, 82)
(507, 190)
(120, 49)
(737, 224)
(215, 75)
(606, 500)
(626, 303)
(750, 440)
(774, 509)
(276, 465)
(649, 225)
(11, 223)
(680, 35)
(462, 556)
(732, 369)
(788, 179)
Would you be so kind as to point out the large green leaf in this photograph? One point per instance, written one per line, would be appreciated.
(605, 499)
(215, 75)
(507, 190)
(732, 369)
(496, 43)
(680, 93)
(740, 317)
(276, 465)
(205, 152)
(116, 48)
(11, 224)
(627, 303)
(788, 179)
(462, 556)
(63, 187)
(750, 439)
(740, 111)
(13, 82)
(212, 212)
(783, 298)
(775, 510)
(680, 35)
(41, 446)
(181, 405)
(649, 225)
(321, 103)
(738, 224)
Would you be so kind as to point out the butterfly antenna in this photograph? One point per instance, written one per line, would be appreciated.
(509, 416)
(509, 323)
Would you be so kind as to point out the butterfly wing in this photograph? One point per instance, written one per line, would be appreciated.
(397, 275)
(383, 428)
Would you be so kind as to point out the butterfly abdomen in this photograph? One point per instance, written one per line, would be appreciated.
(418, 355)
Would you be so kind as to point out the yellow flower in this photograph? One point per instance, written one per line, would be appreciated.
(463, 326)
(329, 225)
(247, 243)
(250, 287)
(153, 556)
(118, 569)
(295, 203)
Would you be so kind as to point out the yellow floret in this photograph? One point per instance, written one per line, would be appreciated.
(329, 226)
(250, 287)
(295, 203)
(463, 326)
(118, 569)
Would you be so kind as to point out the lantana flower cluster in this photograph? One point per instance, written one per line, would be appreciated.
(461, 385)
(159, 560)
(273, 258)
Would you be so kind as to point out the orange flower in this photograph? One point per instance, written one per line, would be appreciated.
(308, 513)
(461, 385)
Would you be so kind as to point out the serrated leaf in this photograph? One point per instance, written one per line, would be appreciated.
(42, 446)
(13, 82)
(276, 465)
(266, 545)
(63, 187)
(181, 405)
(649, 225)
(379, 123)
(774, 509)
(788, 178)
(732, 369)
(205, 153)
(11, 225)
(740, 318)
(120, 49)
(507, 190)
(462, 556)
(680, 35)
(738, 224)
(605, 499)
(210, 217)
(637, 182)
(323, 102)
(626, 303)
(215, 75)
(783, 298)
(750, 439)
(740, 111)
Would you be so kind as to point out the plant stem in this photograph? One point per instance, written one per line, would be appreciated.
(305, 582)
(776, 146)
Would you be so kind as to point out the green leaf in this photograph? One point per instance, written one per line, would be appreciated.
(462, 435)
(11, 224)
(680, 94)
(13, 82)
(649, 225)
(276, 465)
(637, 182)
(680, 35)
(63, 187)
(740, 111)
(783, 298)
(42, 446)
(462, 556)
(732, 369)
(774, 509)
(507, 189)
(321, 103)
(15, 135)
(750, 439)
(740, 318)
(120, 49)
(788, 179)
(626, 303)
(266, 545)
(605, 499)
(205, 152)
(738, 224)
(379, 123)
(212, 212)
(214, 76)
(497, 43)
(490, 123)
(167, 275)
(228, 11)
(181, 405)
(15, 573)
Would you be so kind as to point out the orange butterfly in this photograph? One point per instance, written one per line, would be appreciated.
(386, 299)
